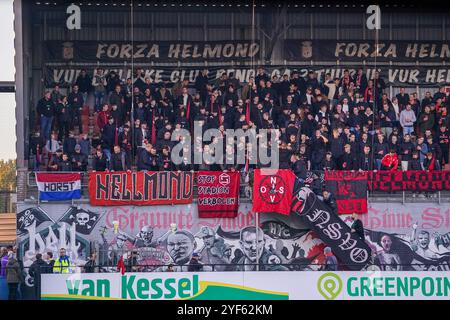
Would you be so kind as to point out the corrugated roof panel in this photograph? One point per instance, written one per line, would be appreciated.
(243, 18)
(220, 18)
(218, 34)
(168, 34)
(431, 19)
(194, 18)
(192, 34)
(298, 33)
(350, 33)
(302, 18)
(383, 34)
(325, 19)
(404, 33)
(112, 34)
(165, 18)
(324, 33)
(430, 33)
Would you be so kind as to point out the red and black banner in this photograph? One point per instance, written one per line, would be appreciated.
(218, 194)
(140, 188)
(350, 190)
(272, 190)
(409, 180)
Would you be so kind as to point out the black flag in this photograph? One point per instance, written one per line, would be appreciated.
(85, 220)
(28, 216)
(280, 230)
(335, 233)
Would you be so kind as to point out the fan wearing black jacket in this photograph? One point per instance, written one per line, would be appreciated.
(328, 163)
(148, 159)
(100, 161)
(357, 226)
(330, 201)
(406, 148)
(365, 160)
(347, 160)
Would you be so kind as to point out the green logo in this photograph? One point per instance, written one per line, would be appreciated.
(329, 285)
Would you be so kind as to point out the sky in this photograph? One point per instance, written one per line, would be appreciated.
(7, 100)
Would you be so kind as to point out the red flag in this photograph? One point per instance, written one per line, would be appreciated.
(121, 265)
(431, 167)
(247, 113)
(153, 137)
(188, 111)
(272, 190)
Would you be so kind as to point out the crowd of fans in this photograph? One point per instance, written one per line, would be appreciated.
(346, 123)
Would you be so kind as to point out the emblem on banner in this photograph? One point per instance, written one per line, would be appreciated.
(306, 49)
(272, 189)
(224, 179)
(68, 50)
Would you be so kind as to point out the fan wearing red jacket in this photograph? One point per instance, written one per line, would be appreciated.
(390, 161)
(102, 117)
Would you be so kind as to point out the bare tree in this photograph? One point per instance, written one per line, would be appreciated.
(273, 28)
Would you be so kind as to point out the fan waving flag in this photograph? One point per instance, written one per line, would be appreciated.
(272, 190)
(121, 266)
(58, 186)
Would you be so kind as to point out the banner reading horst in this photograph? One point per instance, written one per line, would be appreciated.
(58, 186)
(350, 190)
(272, 190)
(140, 188)
(218, 194)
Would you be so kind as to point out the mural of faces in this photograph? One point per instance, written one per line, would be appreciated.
(209, 241)
(386, 243)
(424, 239)
(252, 245)
(181, 246)
(146, 234)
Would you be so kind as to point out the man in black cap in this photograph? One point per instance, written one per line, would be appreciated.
(79, 160)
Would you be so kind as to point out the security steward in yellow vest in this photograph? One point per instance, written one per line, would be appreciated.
(62, 263)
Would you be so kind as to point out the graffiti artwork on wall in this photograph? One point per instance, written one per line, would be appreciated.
(150, 238)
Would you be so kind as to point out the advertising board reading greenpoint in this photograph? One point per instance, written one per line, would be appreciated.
(248, 286)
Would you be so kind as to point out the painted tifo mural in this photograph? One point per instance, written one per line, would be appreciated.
(150, 238)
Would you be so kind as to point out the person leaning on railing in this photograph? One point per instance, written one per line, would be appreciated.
(62, 264)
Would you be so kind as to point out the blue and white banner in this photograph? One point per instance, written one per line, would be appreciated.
(58, 186)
